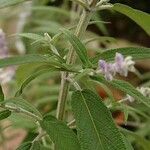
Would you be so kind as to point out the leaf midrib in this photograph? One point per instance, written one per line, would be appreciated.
(92, 120)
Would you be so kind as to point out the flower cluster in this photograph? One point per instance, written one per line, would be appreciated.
(145, 91)
(121, 65)
(5, 73)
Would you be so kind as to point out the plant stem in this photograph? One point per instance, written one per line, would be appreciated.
(80, 30)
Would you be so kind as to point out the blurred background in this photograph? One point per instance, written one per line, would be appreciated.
(48, 16)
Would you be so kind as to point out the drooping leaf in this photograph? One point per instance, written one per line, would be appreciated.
(63, 137)
(95, 126)
(25, 146)
(22, 73)
(32, 77)
(20, 120)
(1, 94)
(125, 87)
(4, 114)
(78, 47)
(25, 59)
(21, 105)
(141, 18)
(135, 52)
(6, 3)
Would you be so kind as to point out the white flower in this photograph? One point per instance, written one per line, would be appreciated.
(145, 91)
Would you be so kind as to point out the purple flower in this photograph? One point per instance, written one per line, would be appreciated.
(121, 65)
(106, 69)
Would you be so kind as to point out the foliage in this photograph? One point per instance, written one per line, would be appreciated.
(78, 118)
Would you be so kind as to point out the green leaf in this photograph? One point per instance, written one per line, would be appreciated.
(125, 87)
(135, 52)
(4, 114)
(31, 36)
(101, 26)
(95, 125)
(25, 146)
(6, 3)
(20, 105)
(25, 59)
(63, 137)
(78, 47)
(32, 77)
(22, 73)
(101, 39)
(141, 18)
(1, 94)
(20, 120)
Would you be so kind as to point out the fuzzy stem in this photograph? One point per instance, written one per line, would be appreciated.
(80, 30)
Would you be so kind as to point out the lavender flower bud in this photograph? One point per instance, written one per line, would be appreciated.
(121, 65)
(103, 65)
(106, 69)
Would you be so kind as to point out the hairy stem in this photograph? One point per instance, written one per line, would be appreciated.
(80, 30)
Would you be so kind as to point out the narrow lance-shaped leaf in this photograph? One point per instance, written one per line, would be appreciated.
(25, 59)
(141, 18)
(4, 114)
(31, 36)
(31, 78)
(1, 94)
(63, 137)
(6, 3)
(125, 87)
(78, 47)
(22, 73)
(101, 26)
(101, 39)
(95, 125)
(135, 52)
(21, 105)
